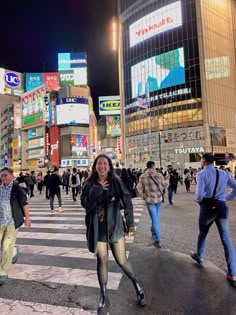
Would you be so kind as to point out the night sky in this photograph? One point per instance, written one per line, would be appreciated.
(33, 32)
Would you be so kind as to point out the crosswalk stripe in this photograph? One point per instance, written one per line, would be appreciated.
(69, 276)
(61, 251)
(59, 236)
(55, 218)
(71, 214)
(59, 226)
(16, 307)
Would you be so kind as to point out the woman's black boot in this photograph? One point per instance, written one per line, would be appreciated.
(104, 301)
(140, 292)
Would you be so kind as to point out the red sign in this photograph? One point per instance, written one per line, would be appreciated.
(119, 144)
(54, 137)
(47, 143)
(51, 81)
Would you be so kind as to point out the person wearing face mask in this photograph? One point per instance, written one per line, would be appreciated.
(103, 196)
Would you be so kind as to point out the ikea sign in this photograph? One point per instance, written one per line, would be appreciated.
(109, 105)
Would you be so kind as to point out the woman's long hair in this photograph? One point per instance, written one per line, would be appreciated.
(94, 175)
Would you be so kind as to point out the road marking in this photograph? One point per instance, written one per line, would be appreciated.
(61, 251)
(68, 276)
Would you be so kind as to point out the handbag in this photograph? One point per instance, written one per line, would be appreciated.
(211, 203)
(162, 192)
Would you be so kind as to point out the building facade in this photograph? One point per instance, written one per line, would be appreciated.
(178, 80)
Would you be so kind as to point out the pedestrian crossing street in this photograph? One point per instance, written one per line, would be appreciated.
(54, 251)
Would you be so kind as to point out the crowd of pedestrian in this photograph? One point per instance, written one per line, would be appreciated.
(104, 191)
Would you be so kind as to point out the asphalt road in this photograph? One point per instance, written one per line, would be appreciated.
(179, 227)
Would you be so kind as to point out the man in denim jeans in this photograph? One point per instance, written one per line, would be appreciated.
(150, 187)
(206, 182)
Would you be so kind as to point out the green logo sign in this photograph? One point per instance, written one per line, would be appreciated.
(66, 77)
(32, 120)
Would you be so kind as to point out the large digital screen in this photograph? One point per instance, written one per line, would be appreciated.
(158, 72)
(72, 114)
(33, 102)
(155, 23)
(113, 126)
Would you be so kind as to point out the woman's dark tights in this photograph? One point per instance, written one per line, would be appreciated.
(119, 253)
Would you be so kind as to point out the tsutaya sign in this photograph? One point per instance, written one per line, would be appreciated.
(189, 150)
(156, 22)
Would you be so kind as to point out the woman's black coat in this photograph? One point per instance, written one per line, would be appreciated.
(118, 198)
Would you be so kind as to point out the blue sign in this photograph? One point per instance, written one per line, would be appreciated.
(33, 81)
(72, 60)
(5, 161)
(12, 79)
(75, 100)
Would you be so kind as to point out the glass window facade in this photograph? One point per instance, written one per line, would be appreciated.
(160, 70)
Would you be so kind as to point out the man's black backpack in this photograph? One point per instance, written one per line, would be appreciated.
(74, 179)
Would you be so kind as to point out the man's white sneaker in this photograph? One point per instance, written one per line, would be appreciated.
(60, 209)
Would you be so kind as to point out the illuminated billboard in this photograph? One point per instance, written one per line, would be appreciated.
(35, 80)
(11, 82)
(113, 126)
(54, 143)
(72, 111)
(72, 68)
(109, 105)
(79, 145)
(158, 72)
(76, 76)
(72, 60)
(155, 23)
(17, 115)
(33, 102)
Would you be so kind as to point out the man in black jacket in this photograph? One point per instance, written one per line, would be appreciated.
(13, 209)
(54, 184)
(46, 183)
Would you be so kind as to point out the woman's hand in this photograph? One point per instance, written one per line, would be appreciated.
(131, 231)
(104, 184)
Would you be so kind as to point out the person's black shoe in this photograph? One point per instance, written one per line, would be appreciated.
(157, 244)
(232, 280)
(141, 297)
(104, 302)
(171, 203)
(197, 259)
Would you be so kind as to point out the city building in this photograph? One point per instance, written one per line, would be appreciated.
(177, 80)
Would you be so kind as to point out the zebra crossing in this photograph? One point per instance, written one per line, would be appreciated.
(54, 253)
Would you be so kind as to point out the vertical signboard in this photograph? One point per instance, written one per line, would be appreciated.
(54, 140)
(17, 115)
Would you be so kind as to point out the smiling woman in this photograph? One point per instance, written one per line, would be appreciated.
(103, 196)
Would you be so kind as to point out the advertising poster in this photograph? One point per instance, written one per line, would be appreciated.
(109, 105)
(33, 102)
(79, 145)
(113, 126)
(158, 72)
(157, 22)
(54, 140)
(35, 80)
(33, 120)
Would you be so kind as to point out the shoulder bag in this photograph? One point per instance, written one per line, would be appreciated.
(211, 203)
(162, 192)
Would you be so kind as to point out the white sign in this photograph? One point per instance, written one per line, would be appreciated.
(2, 84)
(155, 23)
(218, 67)
(72, 114)
(189, 150)
(80, 162)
